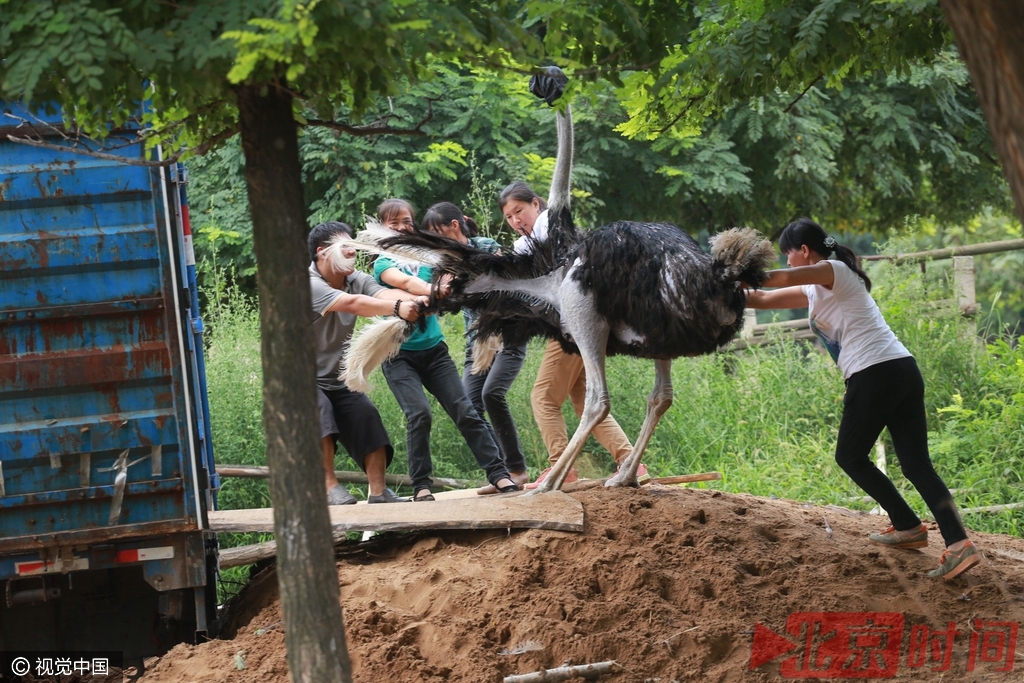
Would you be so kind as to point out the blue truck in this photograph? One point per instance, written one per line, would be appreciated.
(106, 464)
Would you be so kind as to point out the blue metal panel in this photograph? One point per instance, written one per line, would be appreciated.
(90, 354)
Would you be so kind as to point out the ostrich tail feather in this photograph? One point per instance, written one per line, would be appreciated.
(333, 253)
(373, 239)
(374, 345)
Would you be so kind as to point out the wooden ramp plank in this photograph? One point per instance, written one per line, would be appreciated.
(457, 494)
(556, 511)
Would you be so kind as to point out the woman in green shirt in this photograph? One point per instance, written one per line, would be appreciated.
(424, 363)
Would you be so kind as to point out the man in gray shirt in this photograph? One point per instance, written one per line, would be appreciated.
(340, 294)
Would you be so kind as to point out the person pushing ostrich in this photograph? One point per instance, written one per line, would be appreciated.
(641, 289)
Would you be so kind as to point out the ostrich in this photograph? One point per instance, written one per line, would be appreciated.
(642, 289)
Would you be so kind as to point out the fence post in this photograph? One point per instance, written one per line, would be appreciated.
(963, 283)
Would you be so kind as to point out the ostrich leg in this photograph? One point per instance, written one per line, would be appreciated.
(658, 401)
(590, 332)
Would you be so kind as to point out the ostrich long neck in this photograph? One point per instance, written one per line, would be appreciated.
(558, 197)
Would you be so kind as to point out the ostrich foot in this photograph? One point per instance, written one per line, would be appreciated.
(621, 479)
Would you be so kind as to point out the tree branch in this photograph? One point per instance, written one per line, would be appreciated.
(596, 68)
(806, 90)
(681, 114)
(367, 131)
(92, 153)
(131, 161)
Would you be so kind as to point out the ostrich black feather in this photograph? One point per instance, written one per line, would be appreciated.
(661, 294)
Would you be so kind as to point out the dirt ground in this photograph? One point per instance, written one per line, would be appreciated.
(671, 583)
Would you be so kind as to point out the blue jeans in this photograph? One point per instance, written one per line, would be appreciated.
(487, 392)
(433, 369)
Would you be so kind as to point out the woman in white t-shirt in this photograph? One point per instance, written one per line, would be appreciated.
(884, 387)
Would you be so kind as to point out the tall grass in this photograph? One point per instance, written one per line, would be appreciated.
(767, 418)
(235, 386)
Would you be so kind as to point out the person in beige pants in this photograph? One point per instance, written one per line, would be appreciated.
(561, 374)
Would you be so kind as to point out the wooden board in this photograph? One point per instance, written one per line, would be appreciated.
(457, 494)
(344, 476)
(556, 510)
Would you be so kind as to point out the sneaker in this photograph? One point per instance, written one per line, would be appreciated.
(388, 496)
(911, 538)
(569, 478)
(641, 473)
(954, 563)
(339, 495)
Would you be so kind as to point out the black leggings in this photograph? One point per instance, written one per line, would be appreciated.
(891, 394)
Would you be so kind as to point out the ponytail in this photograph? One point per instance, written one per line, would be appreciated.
(443, 213)
(804, 231)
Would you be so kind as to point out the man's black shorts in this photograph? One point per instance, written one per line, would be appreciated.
(351, 418)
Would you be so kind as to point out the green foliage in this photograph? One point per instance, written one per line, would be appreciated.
(101, 57)
(856, 113)
(861, 159)
(235, 379)
(219, 210)
(742, 50)
(980, 436)
(98, 59)
(997, 276)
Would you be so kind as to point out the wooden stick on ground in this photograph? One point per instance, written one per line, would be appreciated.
(685, 478)
(344, 476)
(993, 508)
(251, 554)
(586, 484)
(564, 673)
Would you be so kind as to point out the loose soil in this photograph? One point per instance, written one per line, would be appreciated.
(668, 582)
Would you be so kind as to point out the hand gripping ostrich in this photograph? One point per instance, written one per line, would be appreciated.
(641, 289)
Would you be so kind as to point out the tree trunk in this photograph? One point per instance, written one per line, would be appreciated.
(990, 36)
(310, 602)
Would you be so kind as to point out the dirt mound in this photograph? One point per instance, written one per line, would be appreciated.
(671, 583)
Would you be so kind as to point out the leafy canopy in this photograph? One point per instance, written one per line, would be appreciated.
(751, 48)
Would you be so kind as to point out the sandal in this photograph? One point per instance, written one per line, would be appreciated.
(509, 488)
(520, 478)
(417, 498)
